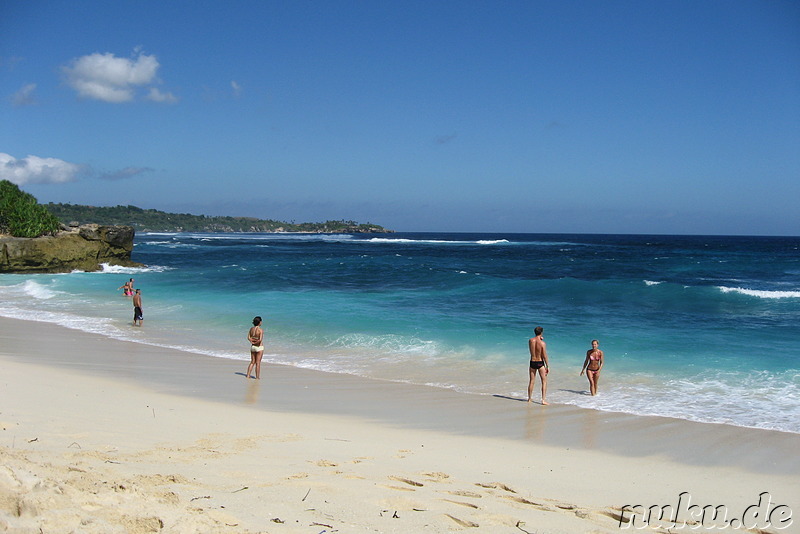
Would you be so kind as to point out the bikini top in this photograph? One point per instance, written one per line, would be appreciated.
(594, 356)
(255, 333)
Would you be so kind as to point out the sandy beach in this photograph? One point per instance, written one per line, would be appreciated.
(98, 435)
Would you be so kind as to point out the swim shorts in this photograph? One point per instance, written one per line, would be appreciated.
(536, 365)
(137, 313)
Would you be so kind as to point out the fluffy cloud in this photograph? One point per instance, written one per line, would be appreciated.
(114, 79)
(36, 170)
(25, 96)
(158, 96)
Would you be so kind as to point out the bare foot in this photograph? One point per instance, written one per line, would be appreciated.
(545, 403)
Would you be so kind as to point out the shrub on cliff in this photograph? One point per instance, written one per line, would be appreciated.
(21, 215)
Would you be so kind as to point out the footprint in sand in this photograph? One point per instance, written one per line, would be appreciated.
(616, 513)
(462, 493)
(407, 481)
(520, 500)
(495, 485)
(396, 488)
(436, 477)
(326, 463)
(462, 503)
(463, 523)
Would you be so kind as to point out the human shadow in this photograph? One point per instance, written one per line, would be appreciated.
(576, 392)
(510, 398)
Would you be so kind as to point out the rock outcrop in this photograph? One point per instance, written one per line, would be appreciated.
(82, 248)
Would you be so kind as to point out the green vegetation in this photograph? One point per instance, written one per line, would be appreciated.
(149, 220)
(21, 215)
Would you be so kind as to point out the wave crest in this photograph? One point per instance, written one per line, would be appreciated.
(763, 294)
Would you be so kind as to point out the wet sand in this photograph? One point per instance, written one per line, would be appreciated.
(103, 435)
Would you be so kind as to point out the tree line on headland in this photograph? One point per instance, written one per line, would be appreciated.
(22, 216)
(150, 220)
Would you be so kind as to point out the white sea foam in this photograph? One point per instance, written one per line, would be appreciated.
(37, 290)
(106, 327)
(118, 269)
(387, 343)
(276, 236)
(401, 240)
(651, 283)
(172, 244)
(733, 398)
(92, 325)
(485, 242)
(761, 293)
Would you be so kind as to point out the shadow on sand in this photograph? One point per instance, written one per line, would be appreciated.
(510, 398)
(575, 391)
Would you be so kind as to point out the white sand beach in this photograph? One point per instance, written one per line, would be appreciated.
(98, 435)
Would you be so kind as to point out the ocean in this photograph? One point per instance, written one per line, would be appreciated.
(703, 328)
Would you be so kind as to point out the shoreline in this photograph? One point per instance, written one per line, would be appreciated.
(299, 390)
(104, 433)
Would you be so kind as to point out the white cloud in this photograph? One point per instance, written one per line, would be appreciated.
(157, 96)
(36, 170)
(114, 79)
(237, 89)
(25, 96)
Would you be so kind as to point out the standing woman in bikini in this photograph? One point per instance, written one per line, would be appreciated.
(256, 337)
(592, 365)
(127, 288)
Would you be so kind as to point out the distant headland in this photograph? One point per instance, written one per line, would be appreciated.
(64, 237)
(150, 220)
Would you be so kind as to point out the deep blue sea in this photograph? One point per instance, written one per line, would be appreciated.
(699, 328)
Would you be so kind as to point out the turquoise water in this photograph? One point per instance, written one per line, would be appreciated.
(701, 328)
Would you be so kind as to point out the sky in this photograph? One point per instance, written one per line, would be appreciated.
(662, 117)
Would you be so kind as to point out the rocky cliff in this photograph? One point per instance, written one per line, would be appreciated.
(81, 248)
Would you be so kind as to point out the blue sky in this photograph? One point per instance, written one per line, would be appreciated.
(577, 116)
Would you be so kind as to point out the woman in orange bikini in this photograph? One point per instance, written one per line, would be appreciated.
(592, 365)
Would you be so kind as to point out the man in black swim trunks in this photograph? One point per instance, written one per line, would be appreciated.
(538, 350)
(138, 319)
